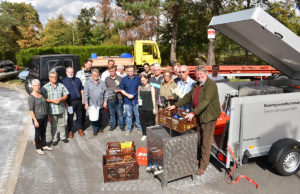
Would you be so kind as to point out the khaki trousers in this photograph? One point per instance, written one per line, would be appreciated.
(205, 138)
(58, 126)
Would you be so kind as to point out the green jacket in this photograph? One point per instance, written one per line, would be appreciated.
(208, 108)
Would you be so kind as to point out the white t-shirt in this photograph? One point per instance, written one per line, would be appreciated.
(219, 77)
(104, 75)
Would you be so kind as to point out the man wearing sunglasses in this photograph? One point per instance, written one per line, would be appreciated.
(184, 85)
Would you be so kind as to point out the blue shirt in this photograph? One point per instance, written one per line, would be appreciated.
(131, 87)
(184, 88)
(73, 88)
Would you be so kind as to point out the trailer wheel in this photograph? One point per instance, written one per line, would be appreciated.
(285, 156)
(289, 162)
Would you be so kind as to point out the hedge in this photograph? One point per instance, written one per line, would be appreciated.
(8, 55)
(84, 52)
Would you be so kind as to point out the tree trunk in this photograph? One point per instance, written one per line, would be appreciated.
(211, 52)
(173, 58)
(246, 57)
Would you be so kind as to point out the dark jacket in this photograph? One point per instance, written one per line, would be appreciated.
(208, 108)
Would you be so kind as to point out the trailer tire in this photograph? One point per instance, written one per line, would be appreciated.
(285, 156)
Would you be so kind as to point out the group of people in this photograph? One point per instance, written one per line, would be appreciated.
(128, 97)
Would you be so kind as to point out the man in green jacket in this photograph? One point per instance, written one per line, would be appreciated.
(206, 107)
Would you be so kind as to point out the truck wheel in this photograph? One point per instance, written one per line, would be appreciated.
(285, 156)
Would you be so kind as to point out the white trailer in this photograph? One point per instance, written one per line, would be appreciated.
(264, 115)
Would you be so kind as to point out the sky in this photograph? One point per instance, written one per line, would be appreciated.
(48, 9)
(70, 9)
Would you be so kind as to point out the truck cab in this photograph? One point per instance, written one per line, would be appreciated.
(146, 51)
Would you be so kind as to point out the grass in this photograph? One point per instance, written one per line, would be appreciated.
(14, 81)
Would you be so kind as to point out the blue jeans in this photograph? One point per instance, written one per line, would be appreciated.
(115, 106)
(128, 110)
(96, 124)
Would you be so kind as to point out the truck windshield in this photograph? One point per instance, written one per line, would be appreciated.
(147, 49)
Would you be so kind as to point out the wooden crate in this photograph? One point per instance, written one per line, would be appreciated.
(115, 148)
(167, 118)
(120, 167)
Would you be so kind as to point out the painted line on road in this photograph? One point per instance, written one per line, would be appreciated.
(8, 179)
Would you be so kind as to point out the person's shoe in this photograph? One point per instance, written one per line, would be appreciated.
(95, 133)
(47, 148)
(101, 131)
(127, 133)
(54, 143)
(122, 130)
(143, 138)
(71, 134)
(65, 141)
(139, 131)
(40, 152)
(200, 172)
(112, 128)
(80, 131)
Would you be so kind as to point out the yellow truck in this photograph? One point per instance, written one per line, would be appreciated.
(144, 51)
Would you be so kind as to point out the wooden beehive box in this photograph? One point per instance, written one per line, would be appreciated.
(120, 167)
(177, 123)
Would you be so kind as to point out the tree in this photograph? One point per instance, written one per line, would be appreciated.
(85, 23)
(57, 32)
(138, 19)
(20, 25)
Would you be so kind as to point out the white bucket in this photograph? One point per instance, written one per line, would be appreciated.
(93, 113)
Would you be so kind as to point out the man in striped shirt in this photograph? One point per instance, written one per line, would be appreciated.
(55, 94)
(184, 85)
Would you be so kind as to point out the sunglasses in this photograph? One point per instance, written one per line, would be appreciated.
(182, 71)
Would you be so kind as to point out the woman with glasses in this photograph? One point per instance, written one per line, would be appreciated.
(38, 109)
(166, 94)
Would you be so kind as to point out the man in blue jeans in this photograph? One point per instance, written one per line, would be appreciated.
(115, 99)
(129, 88)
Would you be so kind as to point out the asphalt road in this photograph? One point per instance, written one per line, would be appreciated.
(76, 167)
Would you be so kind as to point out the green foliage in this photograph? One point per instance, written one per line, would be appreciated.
(84, 52)
(8, 55)
(57, 32)
(19, 26)
(85, 23)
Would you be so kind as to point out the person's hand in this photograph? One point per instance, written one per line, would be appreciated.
(86, 106)
(117, 90)
(49, 118)
(130, 96)
(190, 116)
(36, 124)
(154, 111)
(171, 107)
(56, 101)
(105, 105)
(82, 101)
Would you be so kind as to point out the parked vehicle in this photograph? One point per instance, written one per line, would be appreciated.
(144, 51)
(264, 115)
(8, 69)
(23, 74)
(40, 65)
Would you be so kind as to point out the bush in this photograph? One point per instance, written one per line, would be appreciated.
(84, 52)
(8, 55)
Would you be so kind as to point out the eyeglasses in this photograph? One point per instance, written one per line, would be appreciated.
(53, 76)
(182, 71)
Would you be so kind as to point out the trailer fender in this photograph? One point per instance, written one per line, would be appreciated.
(279, 155)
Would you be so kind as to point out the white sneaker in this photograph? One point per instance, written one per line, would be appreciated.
(127, 133)
(47, 148)
(144, 138)
(39, 151)
(139, 131)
